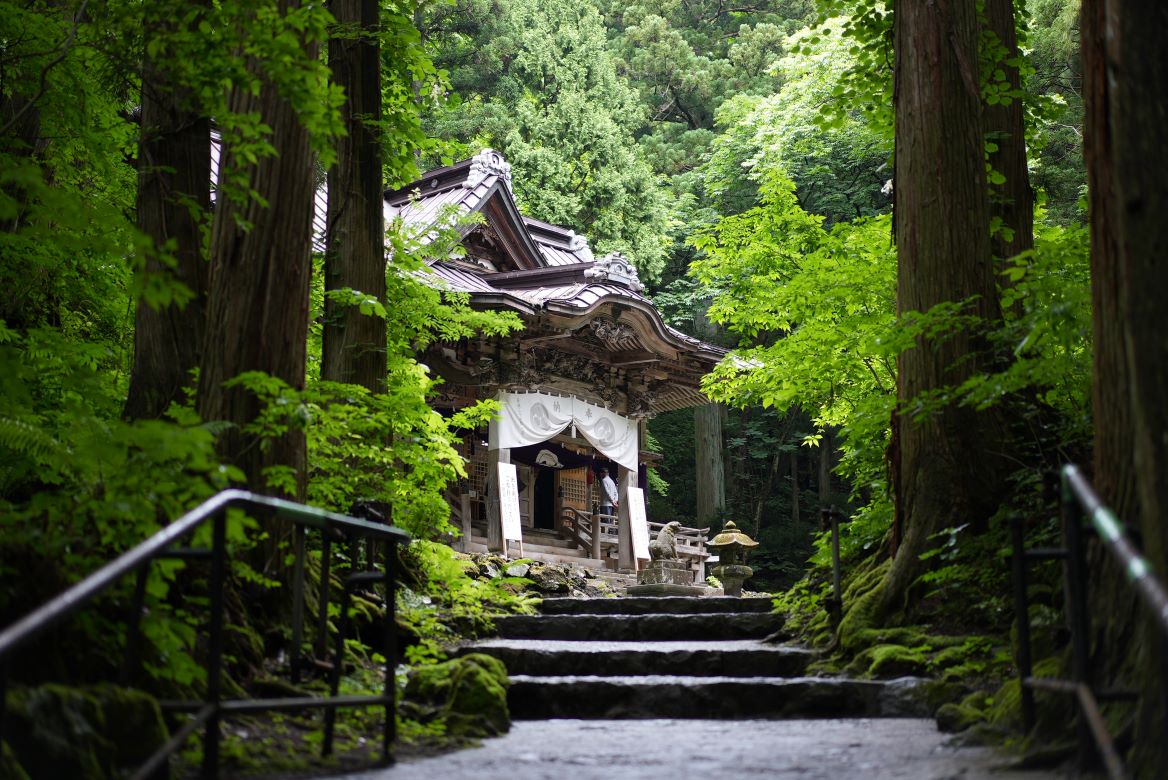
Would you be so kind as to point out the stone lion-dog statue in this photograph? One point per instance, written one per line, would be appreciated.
(664, 547)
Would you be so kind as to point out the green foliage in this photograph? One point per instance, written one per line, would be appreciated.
(818, 306)
(818, 135)
(540, 85)
(450, 601)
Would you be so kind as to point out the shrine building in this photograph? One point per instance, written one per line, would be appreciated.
(577, 384)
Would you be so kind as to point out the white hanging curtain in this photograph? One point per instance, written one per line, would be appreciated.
(531, 418)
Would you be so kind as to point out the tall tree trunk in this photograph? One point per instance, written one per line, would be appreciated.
(947, 471)
(795, 487)
(765, 493)
(826, 447)
(174, 197)
(354, 343)
(710, 479)
(1012, 202)
(258, 304)
(1126, 128)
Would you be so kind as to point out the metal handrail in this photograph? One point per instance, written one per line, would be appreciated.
(209, 711)
(1079, 500)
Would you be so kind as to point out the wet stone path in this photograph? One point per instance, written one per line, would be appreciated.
(839, 749)
(640, 688)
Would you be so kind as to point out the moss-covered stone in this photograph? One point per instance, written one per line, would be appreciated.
(133, 723)
(890, 660)
(57, 731)
(906, 637)
(952, 718)
(94, 732)
(861, 616)
(468, 693)
(959, 716)
(937, 693)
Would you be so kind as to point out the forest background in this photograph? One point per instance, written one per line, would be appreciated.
(741, 155)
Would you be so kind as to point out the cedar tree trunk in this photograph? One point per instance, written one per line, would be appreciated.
(709, 476)
(174, 195)
(947, 472)
(1126, 97)
(354, 343)
(258, 305)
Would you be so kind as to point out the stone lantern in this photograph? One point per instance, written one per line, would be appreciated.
(732, 546)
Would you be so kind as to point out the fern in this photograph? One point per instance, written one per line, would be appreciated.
(29, 441)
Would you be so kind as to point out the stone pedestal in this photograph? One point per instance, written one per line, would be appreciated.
(665, 577)
(732, 576)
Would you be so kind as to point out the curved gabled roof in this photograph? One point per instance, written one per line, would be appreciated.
(558, 276)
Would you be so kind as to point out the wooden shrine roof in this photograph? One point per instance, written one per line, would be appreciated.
(546, 273)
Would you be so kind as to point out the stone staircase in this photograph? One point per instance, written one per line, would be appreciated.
(672, 658)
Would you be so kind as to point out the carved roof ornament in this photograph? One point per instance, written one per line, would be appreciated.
(486, 163)
(615, 268)
(576, 242)
(617, 336)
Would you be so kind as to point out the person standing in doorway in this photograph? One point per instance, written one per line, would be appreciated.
(609, 498)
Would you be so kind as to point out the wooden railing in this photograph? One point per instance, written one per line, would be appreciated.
(691, 542)
(577, 527)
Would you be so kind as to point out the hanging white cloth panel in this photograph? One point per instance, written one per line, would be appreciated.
(531, 418)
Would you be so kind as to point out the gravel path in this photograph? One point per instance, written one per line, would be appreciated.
(869, 749)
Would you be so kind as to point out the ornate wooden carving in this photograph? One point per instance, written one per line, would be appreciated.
(616, 336)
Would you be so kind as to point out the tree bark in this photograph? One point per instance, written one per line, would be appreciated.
(947, 471)
(826, 447)
(795, 487)
(258, 303)
(709, 477)
(1126, 105)
(354, 345)
(1012, 201)
(174, 197)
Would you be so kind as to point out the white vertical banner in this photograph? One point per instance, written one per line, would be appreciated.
(638, 523)
(509, 506)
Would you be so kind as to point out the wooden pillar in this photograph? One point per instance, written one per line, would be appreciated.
(625, 480)
(494, 513)
(558, 517)
(464, 506)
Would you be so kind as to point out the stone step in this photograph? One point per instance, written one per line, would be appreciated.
(645, 605)
(731, 658)
(639, 628)
(666, 696)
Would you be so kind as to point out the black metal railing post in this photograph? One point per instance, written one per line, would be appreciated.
(1076, 595)
(323, 594)
(829, 518)
(134, 627)
(215, 645)
(298, 535)
(390, 655)
(1022, 619)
